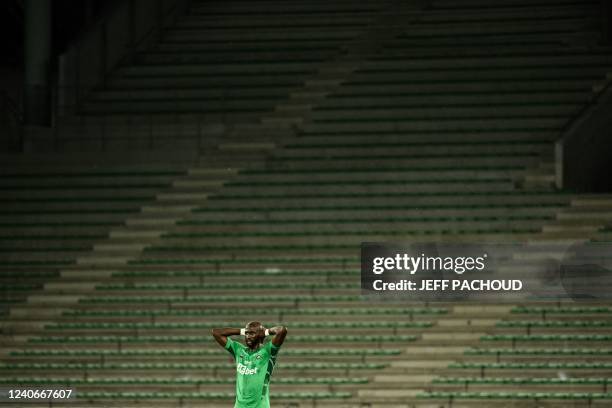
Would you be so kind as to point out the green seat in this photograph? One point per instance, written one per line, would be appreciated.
(212, 286)
(529, 366)
(206, 339)
(516, 395)
(206, 352)
(179, 366)
(210, 325)
(561, 310)
(539, 351)
(553, 324)
(521, 381)
(205, 395)
(231, 299)
(314, 311)
(547, 337)
(211, 380)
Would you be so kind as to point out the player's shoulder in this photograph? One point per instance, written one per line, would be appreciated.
(233, 344)
(239, 345)
(271, 348)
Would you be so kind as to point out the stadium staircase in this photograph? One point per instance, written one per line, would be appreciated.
(341, 123)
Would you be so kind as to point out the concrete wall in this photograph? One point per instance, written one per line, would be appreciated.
(584, 153)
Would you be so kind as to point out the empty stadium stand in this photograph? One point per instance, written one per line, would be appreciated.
(342, 122)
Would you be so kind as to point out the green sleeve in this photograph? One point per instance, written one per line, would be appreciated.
(230, 346)
(273, 349)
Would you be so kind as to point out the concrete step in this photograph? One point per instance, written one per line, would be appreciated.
(86, 314)
(386, 380)
(509, 387)
(68, 216)
(306, 244)
(507, 27)
(475, 4)
(425, 163)
(49, 258)
(353, 88)
(438, 124)
(251, 189)
(283, 8)
(222, 97)
(278, 278)
(147, 134)
(357, 174)
(453, 99)
(276, 118)
(440, 339)
(88, 162)
(103, 260)
(228, 55)
(344, 213)
(66, 193)
(400, 73)
(224, 70)
(253, 46)
(189, 198)
(539, 178)
(248, 146)
(534, 16)
(586, 214)
(386, 224)
(246, 34)
(592, 201)
(173, 293)
(381, 147)
(59, 232)
(135, 233)
(436, 140)
(564, 235)
(454, 200)
(567, 59)
(444, 112)
(275, 82)
(571, 228)
(199, 182)
(34, 244)
(501, 39)
(212, 172)
(258, 19)
(117, 180)
(437, 82)
(510, 49)
(386, 394)
(206, 109)
(163, 210)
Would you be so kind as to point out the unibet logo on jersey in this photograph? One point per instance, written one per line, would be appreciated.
(253, 372)
(244, 370)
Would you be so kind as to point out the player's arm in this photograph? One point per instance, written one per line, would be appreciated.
(279, 333)
(221, 335)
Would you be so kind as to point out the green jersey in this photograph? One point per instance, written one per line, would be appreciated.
(253, 372)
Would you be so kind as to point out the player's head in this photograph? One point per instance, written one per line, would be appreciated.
(254, 334)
